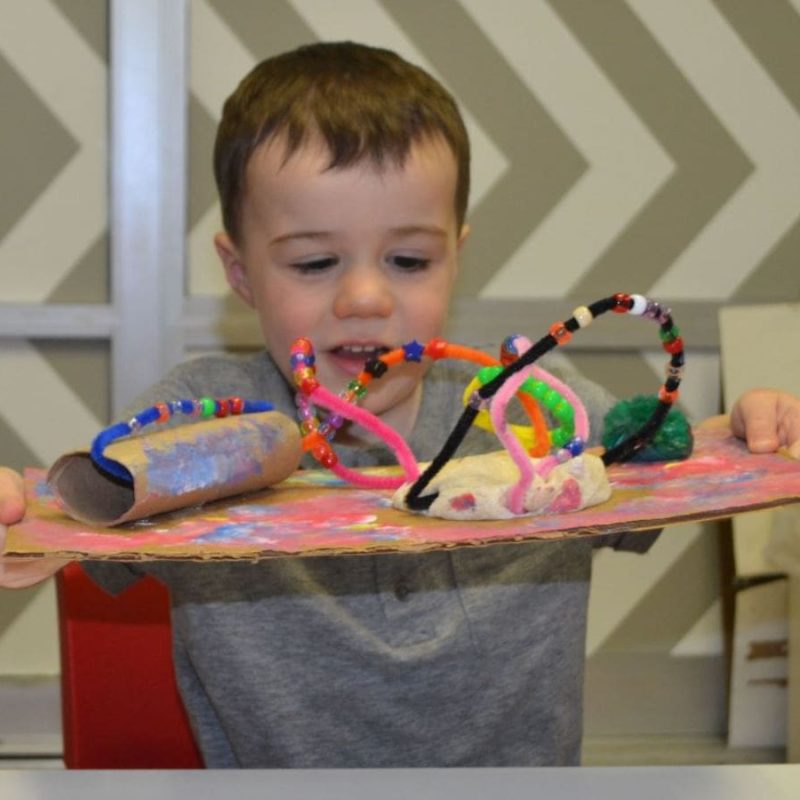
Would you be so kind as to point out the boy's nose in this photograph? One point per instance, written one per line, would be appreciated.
(363, 291)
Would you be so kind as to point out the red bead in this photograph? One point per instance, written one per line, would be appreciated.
(507, 358)
(302, 345)
(622, 302)
(675, 346)
(236, 405)
(312, 440)
(436, 348)
(666, 396)
(328, 459)
(508, 351)
(323, 452)
(309, 385)
(163, 412)
(223, 408)
(559, 332)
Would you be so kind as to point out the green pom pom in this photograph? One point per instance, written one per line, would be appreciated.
(672, 441)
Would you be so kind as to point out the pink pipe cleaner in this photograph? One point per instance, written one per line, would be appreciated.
(527, 468)
(327, 399)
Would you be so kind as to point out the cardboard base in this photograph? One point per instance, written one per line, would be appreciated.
(313, 513)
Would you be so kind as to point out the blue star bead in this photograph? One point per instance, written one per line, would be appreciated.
(413, 350)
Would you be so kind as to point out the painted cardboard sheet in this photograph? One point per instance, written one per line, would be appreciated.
(313, 513)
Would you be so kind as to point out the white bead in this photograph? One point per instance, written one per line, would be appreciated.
(639, 305)
(583, 316)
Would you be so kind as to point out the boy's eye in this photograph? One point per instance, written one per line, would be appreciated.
(315, 264)
(410, 263)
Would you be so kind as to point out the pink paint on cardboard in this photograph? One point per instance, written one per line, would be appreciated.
(312, 513)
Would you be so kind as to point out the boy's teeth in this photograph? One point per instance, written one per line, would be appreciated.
(361, 350)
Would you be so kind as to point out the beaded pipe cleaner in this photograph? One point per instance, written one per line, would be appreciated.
(560, 333)
(317, 436)
(161, 413)
(528, 469)
(545, 388)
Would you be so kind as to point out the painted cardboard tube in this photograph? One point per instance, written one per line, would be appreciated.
(177, 467)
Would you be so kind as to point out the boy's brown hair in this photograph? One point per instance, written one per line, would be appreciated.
(365, 102)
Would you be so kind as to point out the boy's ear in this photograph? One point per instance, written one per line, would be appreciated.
(235, 271)
(463, 236)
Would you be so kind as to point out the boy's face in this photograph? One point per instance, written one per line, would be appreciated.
(359, 260)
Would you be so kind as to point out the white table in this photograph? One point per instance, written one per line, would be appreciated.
(770, 782)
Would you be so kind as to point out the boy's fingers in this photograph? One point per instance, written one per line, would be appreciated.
(792, 431)
(12, 496)
(768, 420)
(761, 436)
(755, 419)
(24, 572)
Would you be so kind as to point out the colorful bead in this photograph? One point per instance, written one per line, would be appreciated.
(327, 459)
(335, 421)
(563, 455)
(303, 374)
(436, 349)
(622, 303)
(303, 345)
(163, 412)
(675, 346)
(639, 305)
(583, 316)
(311, 440)
(672, 371)
(308, 385)
(476, 401)
(376, 368)
(413, 350)
(559, 332)
(652, 311)
(551, 398)
(666, 396)
(669, 334)
(236, 405)
(509, 352)
(664, 315)
(223, 409)
(357, 388)
(563, 411)
(575, 446)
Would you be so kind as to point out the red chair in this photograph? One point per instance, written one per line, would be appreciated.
(120, 702)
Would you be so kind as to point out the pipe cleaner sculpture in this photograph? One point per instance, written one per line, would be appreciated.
(539, 470)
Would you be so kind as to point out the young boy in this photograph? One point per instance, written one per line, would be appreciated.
(343, 175)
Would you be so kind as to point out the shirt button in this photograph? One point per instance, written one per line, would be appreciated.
(402, 590)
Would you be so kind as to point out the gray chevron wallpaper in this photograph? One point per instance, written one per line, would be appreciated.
(644, 145)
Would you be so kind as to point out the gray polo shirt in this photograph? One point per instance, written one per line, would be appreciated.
(465, 657)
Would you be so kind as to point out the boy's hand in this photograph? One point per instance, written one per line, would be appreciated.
(767, 420)
(18, 574)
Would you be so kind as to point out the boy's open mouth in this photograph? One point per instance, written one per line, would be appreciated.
(352, 357)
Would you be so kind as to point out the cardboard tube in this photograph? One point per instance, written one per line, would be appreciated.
(176, 467)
